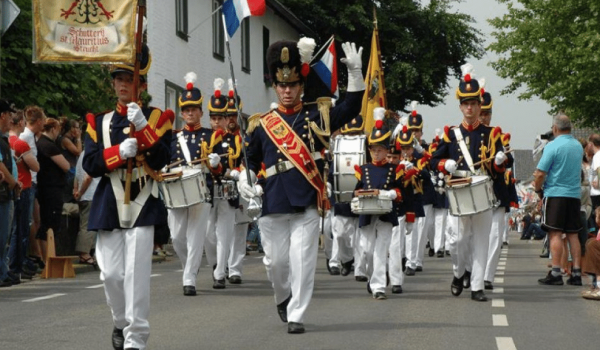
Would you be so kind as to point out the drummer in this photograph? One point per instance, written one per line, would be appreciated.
(188, 225)
(501, 191)
(233, 140)
(346, 249)
(479, 142)
(221, 219)
(376, 230)
(400, 142)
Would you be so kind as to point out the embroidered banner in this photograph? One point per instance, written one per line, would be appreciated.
(84, 31)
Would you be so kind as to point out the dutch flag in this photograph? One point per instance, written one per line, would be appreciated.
(236, 10)
(326, 68)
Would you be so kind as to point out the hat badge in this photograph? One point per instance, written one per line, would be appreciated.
(377, 133)
(469, 88)
(217, 102)
(404, 136)
(353, 121)
(189, 94)
(414, 119)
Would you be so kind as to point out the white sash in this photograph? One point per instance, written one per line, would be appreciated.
(464, 149)
(184, 148)
(117, 185)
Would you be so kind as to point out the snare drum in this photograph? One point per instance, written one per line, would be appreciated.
(226, 190)
(184, 189)
(348, 151)
(470, 196)
(370, 205)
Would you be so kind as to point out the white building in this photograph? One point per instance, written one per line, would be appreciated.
(186, 36)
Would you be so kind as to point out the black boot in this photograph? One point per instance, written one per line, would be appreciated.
(282, 309)
(457, 286)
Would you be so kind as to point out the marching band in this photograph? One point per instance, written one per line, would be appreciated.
(378, 196)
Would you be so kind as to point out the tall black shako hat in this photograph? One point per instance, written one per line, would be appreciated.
(145, 63)
(486, 98)
(405, 137)
(415, 120)
(231, 100)
(218, 102)
(468, 87)
(289, 61)
(380, 135)
(356, 125)
(192, 96)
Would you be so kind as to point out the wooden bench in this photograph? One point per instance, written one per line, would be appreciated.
(57, 266)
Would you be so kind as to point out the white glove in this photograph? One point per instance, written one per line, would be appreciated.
(353, 61)
(407, 165)
(135, 116)
(329, 191)
(214, 160)
(128, 148)
(450, 166)
(235, 174)
(245, 187)
(391, 194)
(500, 158)
(418, 147)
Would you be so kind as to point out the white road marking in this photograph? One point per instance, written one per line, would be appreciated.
(44, 298)
(503, 258)
(95, 286)
(501, 267)
(502, 263)
(498, 290)
(505, 343)
(155, 275)
(500, 273)
(499, 280)
(180, 270)
(498, 303)
(499, 320)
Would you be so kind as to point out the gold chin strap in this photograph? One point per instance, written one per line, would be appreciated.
(324, 105)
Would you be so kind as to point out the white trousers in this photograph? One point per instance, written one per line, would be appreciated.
(506, 227)
(291, 245)
(418, 242)
(472, 246)
(344, 230)
(238, 249)
(125, 260)
(327, 234)
(495, 244)
(219, 235)
(397, 251)
(439, 239)
(377, 236)
(360, 257)
(188, 230)
(410, 246)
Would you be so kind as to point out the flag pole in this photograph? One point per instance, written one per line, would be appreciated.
(241, 121)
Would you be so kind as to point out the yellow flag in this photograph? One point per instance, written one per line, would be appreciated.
(375, 92)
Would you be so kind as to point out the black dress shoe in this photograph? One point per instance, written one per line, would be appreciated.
(117, 339)
(295, 328)
(546, 255)
(369, 288)
(440, 254)
(380, 296)
(189, 290)
(457, 286)
(347, 267)
(419, 269)
(409, 271)
(235, 279)
(397, 289)
(219, 284)
(447, 253)
(361, 278)
(478, 296)
(431, 252)
(488, 285)
(282, 309)
(467, 279)
(334, 271)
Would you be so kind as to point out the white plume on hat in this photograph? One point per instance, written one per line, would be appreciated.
(413, 105)
(306, 47)
(230, 83)
(378, 113)
(482, 83)
(438, 132)
(404, 120)
(397, 130)
(467, 68)
(190, 77)
(218, 84)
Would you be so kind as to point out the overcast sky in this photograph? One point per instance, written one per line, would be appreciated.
(522, 119)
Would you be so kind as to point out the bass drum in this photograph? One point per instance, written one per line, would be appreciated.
(348, 151)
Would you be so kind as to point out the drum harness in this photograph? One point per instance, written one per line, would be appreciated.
(466, 154)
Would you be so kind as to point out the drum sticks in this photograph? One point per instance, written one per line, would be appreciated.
(490, 158)
(179, 162)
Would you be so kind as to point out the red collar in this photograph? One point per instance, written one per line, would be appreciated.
(192, 127)
(121, 110)
(472, 126)
(292, 110)
(381, 163)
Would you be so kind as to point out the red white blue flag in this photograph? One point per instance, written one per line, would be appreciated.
(235, 11)
(326, 68)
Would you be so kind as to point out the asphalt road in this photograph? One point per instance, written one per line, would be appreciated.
(72, 313)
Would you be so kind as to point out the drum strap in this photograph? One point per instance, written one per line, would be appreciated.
(464, 149)
(184, 147)
(117, 185)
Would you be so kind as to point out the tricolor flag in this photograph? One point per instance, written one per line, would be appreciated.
(326, 68)
(235, 11)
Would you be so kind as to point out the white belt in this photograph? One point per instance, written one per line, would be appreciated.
(286, 165)
(462, 173)
(135, 174)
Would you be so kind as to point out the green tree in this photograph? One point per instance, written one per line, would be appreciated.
(61, 89)
(422, 47)
(549, 49)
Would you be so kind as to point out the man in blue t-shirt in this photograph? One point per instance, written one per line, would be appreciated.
(559, 171)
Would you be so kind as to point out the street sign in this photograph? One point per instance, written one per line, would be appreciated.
(10, 11)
